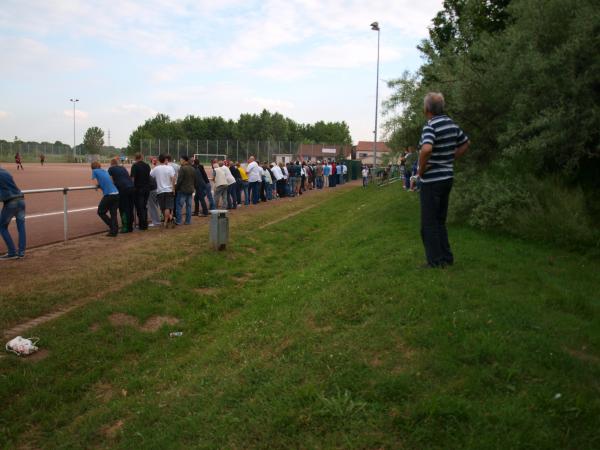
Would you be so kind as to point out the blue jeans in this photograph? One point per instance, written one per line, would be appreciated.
(245, 185)
(269, 191)
(13, 208)
(255, 191)
(319, 181)
(231, 196)
(180, 200)
(209, 196)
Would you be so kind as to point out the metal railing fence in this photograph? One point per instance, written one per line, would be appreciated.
(65, 191)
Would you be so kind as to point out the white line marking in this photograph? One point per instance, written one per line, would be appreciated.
(35, 216)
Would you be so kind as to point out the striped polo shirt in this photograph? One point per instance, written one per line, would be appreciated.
(444, 136)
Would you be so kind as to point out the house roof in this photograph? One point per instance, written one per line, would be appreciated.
(367, 146)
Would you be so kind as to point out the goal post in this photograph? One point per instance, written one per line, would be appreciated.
(206, 158)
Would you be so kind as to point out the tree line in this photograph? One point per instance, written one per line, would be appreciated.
(522, 77)
(265, 126)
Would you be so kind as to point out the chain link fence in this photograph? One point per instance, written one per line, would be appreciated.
(241, 150)
(205, 149)
(31, 151)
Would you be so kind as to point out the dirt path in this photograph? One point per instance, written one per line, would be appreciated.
(86, 269)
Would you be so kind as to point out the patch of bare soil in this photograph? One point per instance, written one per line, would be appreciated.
(37, 356)
(151, 325)
(122, 319)
(104, 392)
(312, 325)
(376, 362)
(582, 355)
(94, 327)
(154, 323)
(163, 282)
(242, 279)
(206, 291)
(111, 431)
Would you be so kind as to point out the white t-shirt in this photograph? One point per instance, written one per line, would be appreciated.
(221, 176)
(254, 172)
(176, 167)
(267, 177)
(365, 172)
(228, 176)
(277, 172)
(164, 178)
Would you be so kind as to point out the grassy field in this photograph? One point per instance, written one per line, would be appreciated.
(320, 331)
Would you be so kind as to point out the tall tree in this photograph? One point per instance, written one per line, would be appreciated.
(93, 140)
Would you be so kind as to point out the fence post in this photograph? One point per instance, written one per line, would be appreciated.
(65, 212)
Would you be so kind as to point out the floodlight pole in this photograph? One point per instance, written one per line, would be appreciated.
(375, 27)
(74, 101)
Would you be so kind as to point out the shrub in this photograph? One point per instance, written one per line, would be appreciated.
(542, 209)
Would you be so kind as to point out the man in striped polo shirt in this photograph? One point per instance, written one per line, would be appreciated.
(442, 141)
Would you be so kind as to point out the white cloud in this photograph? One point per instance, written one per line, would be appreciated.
(3, 115)
(26, 56)
(135, 110)
(272, 104)
(79, 114)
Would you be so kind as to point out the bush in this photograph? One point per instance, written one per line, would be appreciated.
(525, 206)
(488, 200)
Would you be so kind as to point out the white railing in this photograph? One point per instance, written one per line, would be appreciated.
(65, 191)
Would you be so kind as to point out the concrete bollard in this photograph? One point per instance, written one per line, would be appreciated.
(219, 229)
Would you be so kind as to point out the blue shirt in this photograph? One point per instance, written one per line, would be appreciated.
(104, 181)
(8, 188)
(326, 170)
(444, 136)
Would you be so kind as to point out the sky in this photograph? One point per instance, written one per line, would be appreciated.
(127, 60)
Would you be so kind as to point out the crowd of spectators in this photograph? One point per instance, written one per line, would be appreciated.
(161, 193)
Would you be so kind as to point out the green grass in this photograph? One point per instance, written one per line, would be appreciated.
(321, 332)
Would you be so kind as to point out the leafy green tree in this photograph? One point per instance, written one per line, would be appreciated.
(93, 140)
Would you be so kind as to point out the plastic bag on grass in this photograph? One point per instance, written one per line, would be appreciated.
(21, 346)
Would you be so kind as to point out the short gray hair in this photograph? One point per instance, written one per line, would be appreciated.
(434, 103)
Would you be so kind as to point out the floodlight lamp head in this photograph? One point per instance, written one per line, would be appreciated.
(375, 26)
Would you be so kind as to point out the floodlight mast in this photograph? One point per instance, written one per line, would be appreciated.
(375, 27)
(74, 101)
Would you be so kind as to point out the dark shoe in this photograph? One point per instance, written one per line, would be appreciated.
(111, 234)
(21, 255)
(7, 257)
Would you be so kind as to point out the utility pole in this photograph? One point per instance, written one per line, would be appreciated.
(375, 27)
(74, 101)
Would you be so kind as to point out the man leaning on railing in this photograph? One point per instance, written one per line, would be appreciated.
(14, 206)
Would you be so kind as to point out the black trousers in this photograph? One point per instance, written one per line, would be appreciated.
(126, 199)
(109, 203)
(281, 188)
(140, 201)
(434, 210)
(200, 200)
